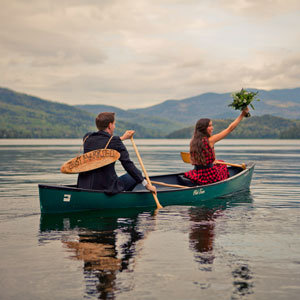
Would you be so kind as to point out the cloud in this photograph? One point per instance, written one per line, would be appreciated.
(136, 53)
(258, 8)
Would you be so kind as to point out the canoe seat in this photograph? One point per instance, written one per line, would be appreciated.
(185, 181)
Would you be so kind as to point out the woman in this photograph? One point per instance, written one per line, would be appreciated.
(202, 152)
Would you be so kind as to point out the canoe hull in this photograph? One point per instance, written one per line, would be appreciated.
(61, 199)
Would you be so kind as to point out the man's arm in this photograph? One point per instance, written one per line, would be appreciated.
(126, 162)
(129, 166)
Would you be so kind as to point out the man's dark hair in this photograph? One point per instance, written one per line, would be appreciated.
(103, 120)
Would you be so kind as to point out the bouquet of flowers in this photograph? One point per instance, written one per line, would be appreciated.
(242, 99)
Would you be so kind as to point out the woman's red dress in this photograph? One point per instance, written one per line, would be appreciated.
(205, 175)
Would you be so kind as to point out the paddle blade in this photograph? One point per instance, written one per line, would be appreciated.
(90, 161)
(186, 157)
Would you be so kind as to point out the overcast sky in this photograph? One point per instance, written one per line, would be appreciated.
(137, 53)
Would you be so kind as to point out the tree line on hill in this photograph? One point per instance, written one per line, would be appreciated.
(266, 126)
(24, 116)
(253, 128)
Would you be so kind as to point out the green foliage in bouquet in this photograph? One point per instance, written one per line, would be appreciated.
(242, 99)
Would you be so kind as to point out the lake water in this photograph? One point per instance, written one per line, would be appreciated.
(244, 247)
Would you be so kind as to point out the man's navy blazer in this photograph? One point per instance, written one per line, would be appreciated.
(106, 178)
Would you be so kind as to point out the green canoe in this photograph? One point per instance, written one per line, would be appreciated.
(69, 198)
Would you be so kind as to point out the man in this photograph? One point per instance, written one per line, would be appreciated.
(105, 178)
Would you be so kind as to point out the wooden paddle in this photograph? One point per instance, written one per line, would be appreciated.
(89, 161)
(187, 159)
(145, 172)
(169, 184)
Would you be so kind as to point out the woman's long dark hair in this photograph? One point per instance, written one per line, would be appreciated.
(197, 148)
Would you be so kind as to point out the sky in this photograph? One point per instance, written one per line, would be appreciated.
(138, 53)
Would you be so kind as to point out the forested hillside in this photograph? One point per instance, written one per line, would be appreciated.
(254, 127)
(24, 116)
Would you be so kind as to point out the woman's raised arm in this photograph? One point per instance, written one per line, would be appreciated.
(219, 136)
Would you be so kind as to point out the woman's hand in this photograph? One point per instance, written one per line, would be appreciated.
(151, 188)
(127, 135)
(245, 111)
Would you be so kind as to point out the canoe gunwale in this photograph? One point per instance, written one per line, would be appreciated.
(250, 165)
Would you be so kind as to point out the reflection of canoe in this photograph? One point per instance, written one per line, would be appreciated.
(68, 198)
(111, 219)
(96, 221)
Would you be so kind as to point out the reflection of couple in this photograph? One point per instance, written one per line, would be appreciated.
(202, 234)
(103, 259)
(107, 244)
(202, 242)
(99, 254)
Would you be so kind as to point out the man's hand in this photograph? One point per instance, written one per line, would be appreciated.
(151, 188)
(127, 135)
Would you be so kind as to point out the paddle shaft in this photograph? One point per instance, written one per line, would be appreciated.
(243, 166)
(168, 184)
(144, 171)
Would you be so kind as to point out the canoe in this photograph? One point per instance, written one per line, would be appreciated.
(69, 198)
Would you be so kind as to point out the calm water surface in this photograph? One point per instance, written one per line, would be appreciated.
(243, 247)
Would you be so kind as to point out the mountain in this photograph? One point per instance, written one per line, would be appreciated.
(160, 125)
(265, 126)
(282, 103)
(25, 116)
